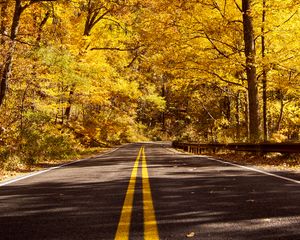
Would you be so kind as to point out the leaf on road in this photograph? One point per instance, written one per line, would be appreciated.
(190, 235)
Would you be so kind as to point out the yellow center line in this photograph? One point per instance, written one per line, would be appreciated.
(150, 224)
(125, 219)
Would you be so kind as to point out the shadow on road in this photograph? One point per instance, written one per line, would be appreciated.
(217, 201)
(190, 194)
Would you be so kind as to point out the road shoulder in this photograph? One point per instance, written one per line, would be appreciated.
(252, 162)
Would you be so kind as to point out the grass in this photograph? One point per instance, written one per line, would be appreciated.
(15, 168)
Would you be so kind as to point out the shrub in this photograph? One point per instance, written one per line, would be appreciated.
(12, 163)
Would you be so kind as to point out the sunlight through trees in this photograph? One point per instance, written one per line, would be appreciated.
(87, 73)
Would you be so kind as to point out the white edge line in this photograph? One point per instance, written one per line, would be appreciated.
(53, 168)
(241, 166)
(254, 170)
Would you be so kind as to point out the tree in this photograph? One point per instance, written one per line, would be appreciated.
(3, 19)
(99, 71)
(250, 53)
(264, 73)
(19, 8)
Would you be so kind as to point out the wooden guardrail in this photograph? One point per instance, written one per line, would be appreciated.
(243, 147)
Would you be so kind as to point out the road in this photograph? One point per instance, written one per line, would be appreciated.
(149, 191)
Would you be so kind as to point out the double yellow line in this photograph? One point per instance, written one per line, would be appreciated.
(150, 224)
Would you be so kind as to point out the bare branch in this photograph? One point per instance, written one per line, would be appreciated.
(18, 40)
(117, 48)
(279, 25)
(238, 6)
(116, 22)
(224, 80)
(33, 2)
(215, 47)
(100, 17)
(132, 61)
(114, 49)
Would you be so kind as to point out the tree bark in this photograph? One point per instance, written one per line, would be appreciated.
(237, 117)
(12, 45)
(68, 108)
(163, 114)
(264, 74)
(250, 54)
(277, 128)
(3, 19)
(94, 15)
(9, 57)
(40, 27)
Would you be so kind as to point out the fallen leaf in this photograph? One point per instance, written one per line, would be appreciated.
(190, 235)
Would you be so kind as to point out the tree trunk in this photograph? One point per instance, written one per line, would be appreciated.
(237, 117)
(93, 17)
(264, 75)
(22, 116)
(70, 100)
(250, 54)
(9, 57)
(277, 128)
(40, 27)
(246, 115)
(163, 114)
(3, 19)
(12, 45)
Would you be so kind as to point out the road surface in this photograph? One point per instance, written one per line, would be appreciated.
(149, 191)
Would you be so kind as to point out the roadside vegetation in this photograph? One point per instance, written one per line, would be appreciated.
(271, 162)
(95, 73)
(15, 165)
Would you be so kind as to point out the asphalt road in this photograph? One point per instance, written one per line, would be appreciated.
(193, 198)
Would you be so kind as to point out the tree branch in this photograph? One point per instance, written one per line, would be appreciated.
(215, 47)
(115, 48)
(132, 61)
(238, 6)
(117, 23)
(99, 18)
(224, 80)
(279, 25)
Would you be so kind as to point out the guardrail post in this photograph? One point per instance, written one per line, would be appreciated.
(260, 151)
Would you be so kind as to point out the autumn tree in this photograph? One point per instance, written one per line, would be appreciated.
(94, 72)
(250, 53)
(19, 8)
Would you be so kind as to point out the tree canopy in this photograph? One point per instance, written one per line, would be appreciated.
(92, 72)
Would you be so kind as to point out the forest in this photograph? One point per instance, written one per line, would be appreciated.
(77, 74)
